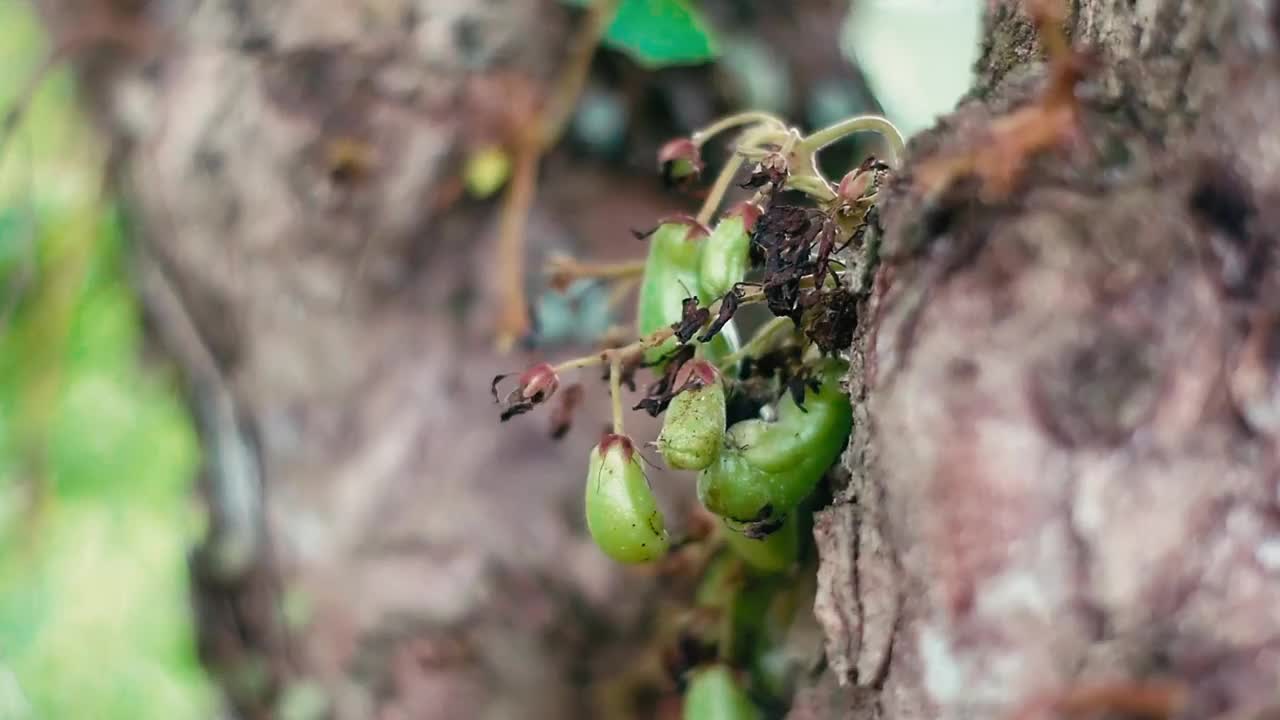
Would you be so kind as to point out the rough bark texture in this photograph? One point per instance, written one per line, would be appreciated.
(1065, 465)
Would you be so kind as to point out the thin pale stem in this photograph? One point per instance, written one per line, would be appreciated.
(571, 269)
(862, 123)
(653, 339)
(812, 184)
(718, 190)
(730, 122)
(571, 81)
(513, 320)
(543, 132)
(615, 391)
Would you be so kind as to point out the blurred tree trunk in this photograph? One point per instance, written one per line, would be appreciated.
(286, 163)
(1064, 466)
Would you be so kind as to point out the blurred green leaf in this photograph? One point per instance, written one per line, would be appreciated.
(97, 451)
(660, 33)
(916, 56)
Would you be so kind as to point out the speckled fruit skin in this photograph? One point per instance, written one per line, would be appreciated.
(670, 276)
(725, 257)
(622, 515)
(766, 468)
(693, 427)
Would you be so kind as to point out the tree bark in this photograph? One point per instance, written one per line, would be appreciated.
(1063, 466)
(1063, 474)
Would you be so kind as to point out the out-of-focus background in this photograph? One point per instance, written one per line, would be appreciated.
(99, 451)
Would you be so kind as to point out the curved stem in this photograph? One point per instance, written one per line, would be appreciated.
(736, 120)
(862, 123)
(721, 186)
(565, 96)
(536, 138)
(513, 317)
(811, 183)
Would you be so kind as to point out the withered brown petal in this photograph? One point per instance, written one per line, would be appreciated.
(562, 415)
(728, 306)
(692, 318)
(493, 386)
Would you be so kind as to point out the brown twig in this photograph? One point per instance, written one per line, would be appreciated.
(513, 316)
(564, 270)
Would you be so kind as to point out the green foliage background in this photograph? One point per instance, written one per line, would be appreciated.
(97, 452)
(659, 33)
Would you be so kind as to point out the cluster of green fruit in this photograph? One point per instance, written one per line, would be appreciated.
(757, 472)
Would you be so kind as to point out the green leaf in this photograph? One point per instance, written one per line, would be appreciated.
(660, 33)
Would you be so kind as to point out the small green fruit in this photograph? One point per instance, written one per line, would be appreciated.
(622, 515)
(766, 468)
(726, 254)
(774, 552)
(714, 695)
(694, 426)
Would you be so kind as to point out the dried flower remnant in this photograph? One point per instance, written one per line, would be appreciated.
(769, 172)
(692, 318)
(534, 386)
(728, 307)
(680, 162)
(562, 414)
(658, 395)
(830, 321)
(783, 241)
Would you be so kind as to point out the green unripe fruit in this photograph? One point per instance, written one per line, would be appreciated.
(733, 488)
(772, 553)
(767, 468)
(622, 515)
(719, 583)
(798, 438)
(714, 695)
(670, 276)
(694, 425)
(726, 254)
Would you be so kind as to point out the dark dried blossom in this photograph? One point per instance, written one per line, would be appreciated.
(659, 394)
(562, 414)
(728, 306)
(783, 242)
(534, 386)
(692, 318)
(831, 319)
(771, 170)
